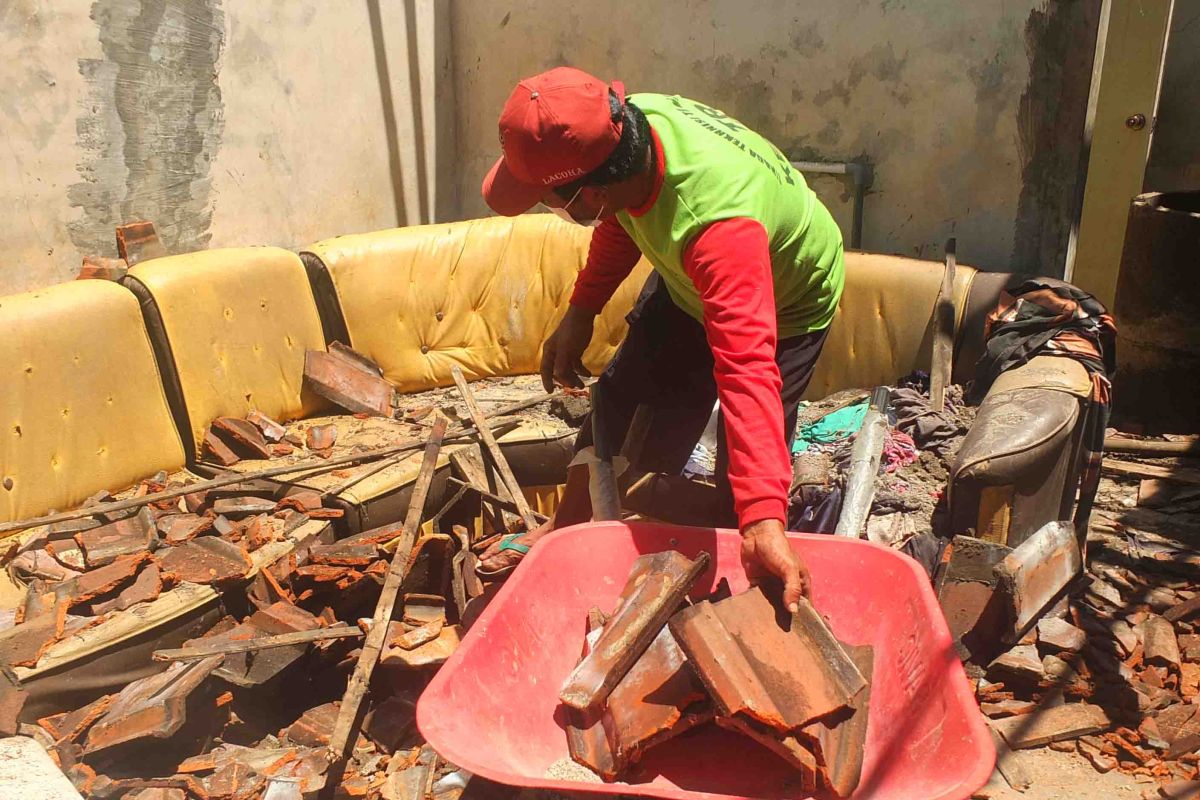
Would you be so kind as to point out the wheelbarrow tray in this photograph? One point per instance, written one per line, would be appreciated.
(493, 707)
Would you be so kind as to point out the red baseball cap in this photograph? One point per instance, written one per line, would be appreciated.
(555, 128)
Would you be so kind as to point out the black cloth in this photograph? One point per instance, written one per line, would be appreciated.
(665, 362)
(1025, 326)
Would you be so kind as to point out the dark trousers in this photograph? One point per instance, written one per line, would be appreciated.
(665, 363)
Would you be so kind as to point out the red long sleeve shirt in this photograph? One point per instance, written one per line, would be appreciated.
(729, 262)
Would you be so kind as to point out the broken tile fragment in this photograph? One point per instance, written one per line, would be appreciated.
(341, 554)
(782, 671)
(1059, 635)
(658, 699)
(214, 448)
(177, 528)
(1039, 571)
(208, 560)
(105, 544)
(842, 744)
(146, 587)
(787, 747)
(347, 385)
(314, 726)
(1058, 723)
(98, 582)
(271, 430)
(241, 436)
(657, 584)
(320, 437)
(238, 507)
(1021, 664)
(1158, 641)
(150, 708)
(430, 654)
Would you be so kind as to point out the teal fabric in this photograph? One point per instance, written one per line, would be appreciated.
(834, 427)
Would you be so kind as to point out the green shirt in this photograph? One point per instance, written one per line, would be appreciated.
(715, 169)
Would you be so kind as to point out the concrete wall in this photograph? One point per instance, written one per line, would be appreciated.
(1175, 149)
(971, 113)
(223, 123)
(282, 123)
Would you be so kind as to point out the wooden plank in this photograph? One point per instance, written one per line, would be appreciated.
(493, 448)
(1177, 474)
(346, 728)
(1152, 447)
(943, 333)
(260, 643)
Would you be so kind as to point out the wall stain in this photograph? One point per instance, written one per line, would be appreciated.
(152, 122)
(1061, 40)
(880, 62)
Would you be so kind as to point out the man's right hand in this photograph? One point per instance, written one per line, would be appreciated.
(562, 355)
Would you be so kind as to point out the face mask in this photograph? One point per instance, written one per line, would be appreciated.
(563, 214)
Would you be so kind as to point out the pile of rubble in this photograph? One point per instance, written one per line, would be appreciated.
(918, 454)
(79, 571)
(1113, 673)
(654, 670)
(262, 695)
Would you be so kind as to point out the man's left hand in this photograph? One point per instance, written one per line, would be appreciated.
(766, 552)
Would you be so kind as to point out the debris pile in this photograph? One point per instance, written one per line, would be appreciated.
(918, 453)
(652, 671)
(264, 696)
(1113, 673)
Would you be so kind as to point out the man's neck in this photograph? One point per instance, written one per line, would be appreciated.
(649, 181)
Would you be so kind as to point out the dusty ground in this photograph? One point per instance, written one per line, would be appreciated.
(1059, 776)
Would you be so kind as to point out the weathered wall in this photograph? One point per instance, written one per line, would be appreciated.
(246, 123)
(1175, 149)
(972, 113)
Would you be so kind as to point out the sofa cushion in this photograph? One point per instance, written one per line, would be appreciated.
(232, 325)
(882, 329)
(482, 294)
(1046, 372)
(83, 408)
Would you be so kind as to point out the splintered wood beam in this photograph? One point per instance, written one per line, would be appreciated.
(494, 451)
(943, 333)
(345, 730)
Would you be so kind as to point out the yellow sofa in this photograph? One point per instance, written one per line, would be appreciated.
(107, 383)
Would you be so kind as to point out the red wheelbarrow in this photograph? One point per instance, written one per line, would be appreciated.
(491, 708)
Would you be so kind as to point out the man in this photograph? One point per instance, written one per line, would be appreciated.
(748, 273)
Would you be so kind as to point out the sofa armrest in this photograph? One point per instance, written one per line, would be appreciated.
(1018, 465)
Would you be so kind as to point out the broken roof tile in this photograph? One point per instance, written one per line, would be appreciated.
(153, 707)
(271, 430)
(352, 388)
(215, 448)
(657, 584)
(97, 582)
(241, 436)
(208, 559)
(344, 555)
(658, 699)
(107, 543)
(842, 745)
(146, 586)
(784, 677)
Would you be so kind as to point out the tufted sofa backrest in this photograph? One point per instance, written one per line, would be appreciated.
(883, 329)
(483, 294)
(83, 408)
(230, 327)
